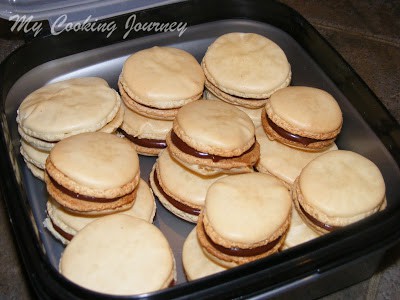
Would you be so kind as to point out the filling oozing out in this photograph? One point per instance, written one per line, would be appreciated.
(181, 145)
(290, 136)
(147, 143)
(236, 251)
(174, 202)
(317, 222)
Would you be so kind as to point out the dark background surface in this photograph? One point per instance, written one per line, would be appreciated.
(367, 35)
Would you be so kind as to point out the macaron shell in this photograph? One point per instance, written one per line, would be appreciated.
(119, 255)
(162, 77)
(259, 205)
(306, 111)
(115, 123)
(246, 65)
(33, 155)
(65, 108)
(35, 142)
(98, 161)
(283, 161)
(214, 127)
(37, 172)
(341, 187)
(195, 263)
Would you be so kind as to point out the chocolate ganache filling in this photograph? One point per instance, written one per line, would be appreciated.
(317, 222)
(181, 145)
(236, 251)
(147, 143)
(290, 136)
(64, 234)
(80, 196)
(174, 202)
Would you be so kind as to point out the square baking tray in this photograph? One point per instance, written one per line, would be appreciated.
(310, 270)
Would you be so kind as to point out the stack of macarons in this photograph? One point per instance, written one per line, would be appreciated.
(63, 109)
(245, 69)
(154, 84)
(92, 174)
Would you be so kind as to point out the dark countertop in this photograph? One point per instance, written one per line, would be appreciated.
(367, 35)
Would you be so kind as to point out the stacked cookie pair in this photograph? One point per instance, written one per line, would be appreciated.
(245, 69)
(154, 84)
(63, 109)
(90, 175)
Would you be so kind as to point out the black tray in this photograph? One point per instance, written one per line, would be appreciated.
(323, 265)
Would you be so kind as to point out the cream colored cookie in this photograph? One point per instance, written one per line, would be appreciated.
(69, 107)
(119, 255)
(213, 135)
(93, 172)
(64, 224)
(302, 117)
(195, 263)
(253, 113)
(37, 143)
(338, 188)
(33, 155)
(299, 232)
(148, 135)
(246, 65)
(283, 161)
(259, 207)
(162, 77)
(179, 189)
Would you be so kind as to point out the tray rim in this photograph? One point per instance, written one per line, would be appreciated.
(42, 275)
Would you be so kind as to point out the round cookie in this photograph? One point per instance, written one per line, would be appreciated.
(253, 113)
(299, 232)
(156, 81)
(179, 190)
(211, 137)
(93, 173)
(66, 108)
(245, 68)
(283, 161)
(195, 263)
(119, 255)
(147, 135)
(259, 207)
(64, 225)
(302, 117)
(338, 188)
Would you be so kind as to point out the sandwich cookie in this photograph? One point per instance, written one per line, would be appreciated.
(338, 188)
(253, 113)
(119, 255)
(283, 161)
(93, 173)
(259, 207)
(64, 224)
(34, 158)
(195, 263)
(211, 137)
(302, 117)
(299, 232)
(180, 190)
(245, 69)
(156, 82)
(147, 135)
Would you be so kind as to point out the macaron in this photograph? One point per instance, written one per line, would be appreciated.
(245, 68)
(119, 255)
(179, 190)
(64, 224)
(147, 135)
(69, 107)
(157, 81)
(245, 218)
(93, 173)
(195, 263)
(211, 137)
(34, 156)
(253, 113)
(283, 161)
(338, 188)
(302, 117)
(298, 233)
